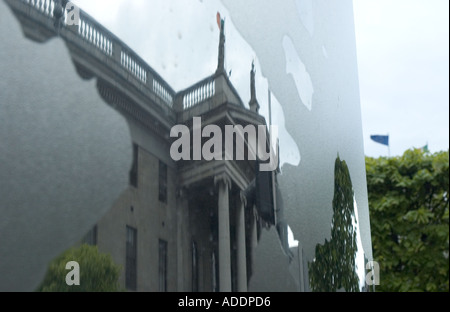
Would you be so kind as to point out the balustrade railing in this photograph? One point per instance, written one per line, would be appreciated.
(199, 92)
(163, 93)
(45, 6)
(92, 34)
(88, 30)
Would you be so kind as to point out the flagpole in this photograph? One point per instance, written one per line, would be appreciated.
(274, 193)
(389, 146)
(270, 109)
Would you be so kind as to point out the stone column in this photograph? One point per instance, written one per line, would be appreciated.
(254, 232)
(241, 250)
(224, 183)
(182, 257)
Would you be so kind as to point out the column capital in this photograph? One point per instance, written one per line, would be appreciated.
(222, 178)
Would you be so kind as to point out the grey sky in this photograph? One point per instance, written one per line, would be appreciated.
(180, 42)
(403, 59)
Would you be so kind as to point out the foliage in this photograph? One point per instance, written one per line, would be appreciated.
(409, 214)
(98, 272)
(334, 265)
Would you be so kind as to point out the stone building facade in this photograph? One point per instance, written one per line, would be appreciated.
(188, 225)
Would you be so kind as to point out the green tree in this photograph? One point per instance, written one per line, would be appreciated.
(98, 272)
(409, 203)
(334, 265)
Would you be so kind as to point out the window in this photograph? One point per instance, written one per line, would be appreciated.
(194, 267)
(162, 182)
(91, 237)
(134, 166)
(131, 259)
(162, 265)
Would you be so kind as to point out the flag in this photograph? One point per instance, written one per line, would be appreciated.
(382, 139)
(425, 149)
(218, 20)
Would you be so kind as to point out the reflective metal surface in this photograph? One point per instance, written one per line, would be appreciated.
(65, 155)
(310, 62)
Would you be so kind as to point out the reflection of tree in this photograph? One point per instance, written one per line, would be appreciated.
(334, 265)
(98, 272)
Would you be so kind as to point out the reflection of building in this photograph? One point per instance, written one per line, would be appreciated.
(184, 225)
(187, 225)
(179, 226)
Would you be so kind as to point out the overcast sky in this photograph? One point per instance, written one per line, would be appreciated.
(403, 60)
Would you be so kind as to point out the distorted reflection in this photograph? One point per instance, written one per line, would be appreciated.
(189, 223)
(333, 268)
